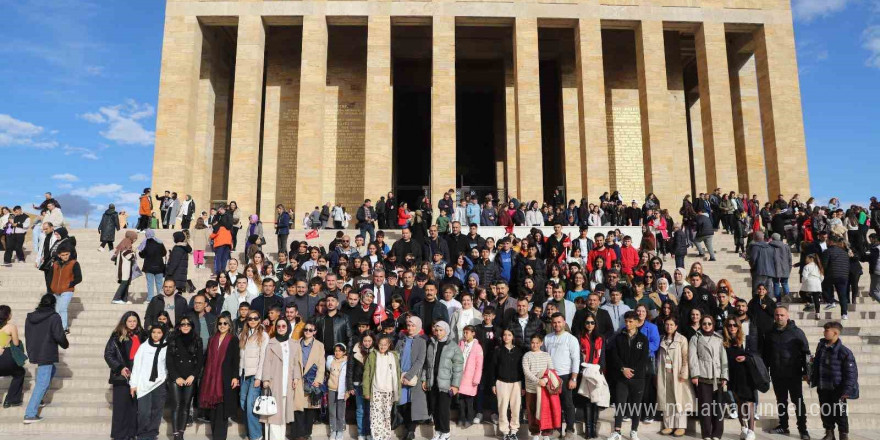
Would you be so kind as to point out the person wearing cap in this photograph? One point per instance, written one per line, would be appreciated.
(178, 261)
(444, 365)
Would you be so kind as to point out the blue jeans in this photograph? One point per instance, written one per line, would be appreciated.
(362, 411)
(154, 279)
(368, 228)
(45, 373)
(62, 301)
(221, 256)
(247, 397)
(780, 284)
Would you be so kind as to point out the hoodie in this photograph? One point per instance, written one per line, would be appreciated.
(45, 335)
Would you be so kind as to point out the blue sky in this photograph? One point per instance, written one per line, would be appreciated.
(80, 85)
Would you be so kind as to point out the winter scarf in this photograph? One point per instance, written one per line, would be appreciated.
(212, 383)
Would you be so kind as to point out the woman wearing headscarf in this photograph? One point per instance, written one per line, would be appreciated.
(679, 281)
(218, 388)
(126, 261)
(147, 382)
(254, 235)
(153, 252)
(413, 401)
(282, 374)
(184, 366)
(662, 293)
(443, 370)
(119, 354)
(689, 301)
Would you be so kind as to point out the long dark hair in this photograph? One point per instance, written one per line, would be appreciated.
(583, 330)
(5, 313)
(189, 341)
(121, 331)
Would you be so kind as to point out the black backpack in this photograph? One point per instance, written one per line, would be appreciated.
(759, 373)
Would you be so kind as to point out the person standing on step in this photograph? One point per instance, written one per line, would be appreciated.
(253, 342)
(506, 377)
(707, 362)
(413, 404)
(46, 334)
(145, 210)
(786, 354)
(836, 376)
(740, 346)
(442, 376)
(382, 387)
(184, 363)
(565, 350)
(628, 358)
(178, 262)
(8, 365)
(119, 355)
(282, 374)
(126, 261)
(107, 228)
(152, 251)
(147, 382)
(219, 383)
(66, 274)
(535, 364)
(307, 401)
(170, 301)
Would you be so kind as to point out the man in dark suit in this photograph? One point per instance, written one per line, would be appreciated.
(410, 292)
(382, 291)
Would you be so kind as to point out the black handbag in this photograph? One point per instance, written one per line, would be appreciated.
(18, 354)
(396, 417)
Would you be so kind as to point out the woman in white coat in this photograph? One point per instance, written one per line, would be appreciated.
(675, 396)
(147, 382)
(465, 316)
(282, 374)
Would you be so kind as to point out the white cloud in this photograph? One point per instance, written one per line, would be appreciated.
(84, 153)
(15, 132)
(809, 10)
(124, 122)
(98, 190)
(65, 185)
(871, 43)
(127, 198)
(67, 177)
(140, 177)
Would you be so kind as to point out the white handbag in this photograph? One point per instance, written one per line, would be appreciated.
(265, 404)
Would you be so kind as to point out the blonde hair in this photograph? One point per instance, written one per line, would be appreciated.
(244, 336)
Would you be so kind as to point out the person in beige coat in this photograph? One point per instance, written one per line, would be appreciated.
(282, 374)
(313, 356)
(675, 395)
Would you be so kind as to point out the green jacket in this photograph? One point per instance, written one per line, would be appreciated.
(370, 373)
(442, 224)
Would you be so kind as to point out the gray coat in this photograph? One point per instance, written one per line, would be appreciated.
(781, 258)
(707, 358)
(762, 259)
(451, 366)
(419, 350)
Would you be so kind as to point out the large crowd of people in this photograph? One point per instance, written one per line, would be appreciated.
(543, 330)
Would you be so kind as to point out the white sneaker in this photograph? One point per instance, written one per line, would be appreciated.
(615, 436)
(117, 301)
(444, 436)
(536, 437)
(546, 437)
(360, 437)
(494, 419)
(844, 317)
(743, 432)
(478, 419)
(634, 435)
(750, 435)
(332, 435)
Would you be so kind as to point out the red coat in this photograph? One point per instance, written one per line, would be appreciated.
(551, 410)
(629, 259)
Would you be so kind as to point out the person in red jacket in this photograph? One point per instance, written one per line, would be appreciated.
(601, 250)
(629, 256)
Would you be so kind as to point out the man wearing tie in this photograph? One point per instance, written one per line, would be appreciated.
(381, 289)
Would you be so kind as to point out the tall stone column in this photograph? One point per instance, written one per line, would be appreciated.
(781, 117)
(677, 120)
(510, 129)
(528, 110)
(178, 96)
(247, 108)
(313, 82)
(718, 139)
(203, 147)
(379, 108)
(443, 162)
(654, 108)
(747, 126)
(571, 139)
(596, 178)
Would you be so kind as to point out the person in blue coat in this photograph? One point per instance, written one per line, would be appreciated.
(650, 331)
(282, 226)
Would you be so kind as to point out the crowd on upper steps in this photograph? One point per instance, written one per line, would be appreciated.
(544, 330)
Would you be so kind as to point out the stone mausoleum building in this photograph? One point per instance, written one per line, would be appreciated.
(302, 102)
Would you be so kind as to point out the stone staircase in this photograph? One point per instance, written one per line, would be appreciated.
(80, 397)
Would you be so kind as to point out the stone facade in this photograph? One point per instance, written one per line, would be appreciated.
(269, 102)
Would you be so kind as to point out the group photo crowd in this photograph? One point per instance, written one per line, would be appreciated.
(410, 316)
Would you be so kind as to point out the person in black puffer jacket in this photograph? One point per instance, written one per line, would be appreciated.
(152, 253)
(836, 376)
(119, 356)
(786, 352)
(354, 378)
(178, 263)
(44, 335)
(184, 362)
(835, 260)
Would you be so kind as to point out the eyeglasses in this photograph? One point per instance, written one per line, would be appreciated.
(704, 324)
(185, 324)
(732, 326)
(589, 322)
(252, 319)
(222, 324)
(309, 330)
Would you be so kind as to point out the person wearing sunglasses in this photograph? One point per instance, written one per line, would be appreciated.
(253, 342)
(218, 390)
(592, 344)
(184, 366)
(707, 361)
(313, 368)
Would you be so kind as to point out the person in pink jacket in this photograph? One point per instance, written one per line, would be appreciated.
(470, 377)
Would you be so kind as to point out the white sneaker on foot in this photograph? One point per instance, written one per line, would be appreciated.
(844, 317)
(615, 436)
(743, 432)
(634, 435)
(750, 435)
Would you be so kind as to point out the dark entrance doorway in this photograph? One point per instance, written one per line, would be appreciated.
(478, 108)
(551, 127)
(412, 131)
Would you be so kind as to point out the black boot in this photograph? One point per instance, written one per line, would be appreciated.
(829, 435)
